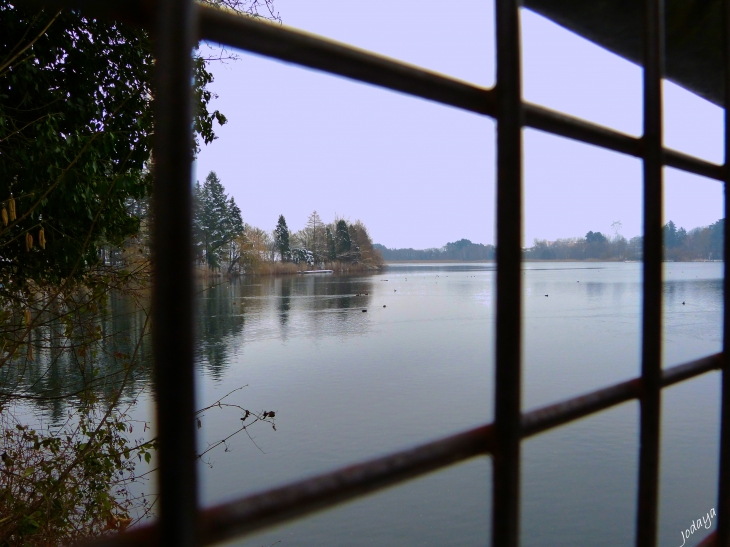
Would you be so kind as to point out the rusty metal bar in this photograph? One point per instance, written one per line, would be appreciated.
(304, 497)
(560, 124)
(172, 24)
(646, 526)
(690, 164)
(304, 49)
(680, 373)
(507, 385)
(723, 487)
(259, 511)
(313, 51)
(172, 296)
(545, 418)
(557, 123)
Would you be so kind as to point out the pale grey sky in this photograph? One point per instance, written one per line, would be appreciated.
(420, 174)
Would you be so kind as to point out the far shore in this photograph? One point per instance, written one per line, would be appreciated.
(594, 260)
(388, 262)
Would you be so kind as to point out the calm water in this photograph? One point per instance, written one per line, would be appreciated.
(348, 385)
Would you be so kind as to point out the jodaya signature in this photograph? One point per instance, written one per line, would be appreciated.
(705, 521)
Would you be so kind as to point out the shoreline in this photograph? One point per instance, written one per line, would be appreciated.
(589, 260)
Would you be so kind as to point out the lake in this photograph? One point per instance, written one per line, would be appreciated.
(348, 385)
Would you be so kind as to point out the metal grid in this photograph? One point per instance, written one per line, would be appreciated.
(175, 24)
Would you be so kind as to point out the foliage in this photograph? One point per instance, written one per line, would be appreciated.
(312, 238)
(331, 244)
(75, 156)
(216, 220)
(71, 480)
(463, 249)
(252, 248)
(60, 485)
(704, 243)
(342, 238)
(75, 138)
(72, 485)
(281, 239)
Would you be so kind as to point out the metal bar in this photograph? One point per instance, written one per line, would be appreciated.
(172, 298)
(507, 390)
(680, 373)
(304, 49)
(690, 164)
(646, 527)
(560, 124)
(545, 418)
(723, 487)
(304, 497)
(563, 125)
(313, 51)
(253, 513)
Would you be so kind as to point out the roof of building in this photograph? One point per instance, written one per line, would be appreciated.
(693, 35)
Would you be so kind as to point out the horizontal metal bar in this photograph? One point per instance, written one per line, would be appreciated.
(679, 373)
(301, 498)
(313, 51)
(541, 419)
(302, 48)
(305, 49)
(684, 162)
(557, 123)
(550, 121)
(304, 497)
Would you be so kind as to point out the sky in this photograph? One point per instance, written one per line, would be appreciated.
(420, 174)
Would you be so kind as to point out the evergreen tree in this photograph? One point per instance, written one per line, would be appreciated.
(281, 239)
(670, 235)
(342, 238)
(217, 220)
(717, 237)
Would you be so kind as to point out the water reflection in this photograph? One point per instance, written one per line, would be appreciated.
(86, 352)
(230, 314)
(282, 307)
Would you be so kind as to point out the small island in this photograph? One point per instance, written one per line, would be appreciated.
(226, 245)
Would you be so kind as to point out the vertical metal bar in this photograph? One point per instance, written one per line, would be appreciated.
(646, 528)
(506, 484)
(172, 303)
(723, 488)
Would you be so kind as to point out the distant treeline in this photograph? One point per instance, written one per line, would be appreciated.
(458, 250)
(703, 243)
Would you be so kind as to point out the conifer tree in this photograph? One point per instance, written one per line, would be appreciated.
(281, 239)
(217, 220)
(342, 238)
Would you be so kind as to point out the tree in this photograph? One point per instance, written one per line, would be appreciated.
(595, 237)
(342, 238)
(281, 239)
(670, 235)
(331, 245)
(717, 237)
(361, 248)
(75, 137)
(217, 220)
(596, 244)
(314, 236)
